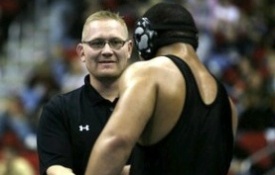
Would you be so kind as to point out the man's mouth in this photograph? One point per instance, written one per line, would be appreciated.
(106, 62)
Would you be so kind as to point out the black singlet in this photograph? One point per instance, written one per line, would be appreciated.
(201, 143)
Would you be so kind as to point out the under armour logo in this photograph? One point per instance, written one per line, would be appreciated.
(82, 128)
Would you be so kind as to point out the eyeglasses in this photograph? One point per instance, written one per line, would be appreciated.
(98, 44)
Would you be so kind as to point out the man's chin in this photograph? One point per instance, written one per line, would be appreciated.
(108, 75)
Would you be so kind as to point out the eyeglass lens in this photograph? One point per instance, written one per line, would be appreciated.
(100, 43)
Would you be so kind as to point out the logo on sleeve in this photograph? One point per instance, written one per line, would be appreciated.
(82, 128)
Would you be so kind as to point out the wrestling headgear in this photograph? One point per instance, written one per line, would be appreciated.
(164, 24)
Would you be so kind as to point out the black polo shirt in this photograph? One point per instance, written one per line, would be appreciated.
(69, 126)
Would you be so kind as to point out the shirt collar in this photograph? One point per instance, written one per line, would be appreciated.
(95, 97)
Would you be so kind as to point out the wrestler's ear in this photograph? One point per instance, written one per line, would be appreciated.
(80, 52)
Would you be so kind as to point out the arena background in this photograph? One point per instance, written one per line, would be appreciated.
(38, 60)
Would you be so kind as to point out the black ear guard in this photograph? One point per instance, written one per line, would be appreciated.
(147, 41)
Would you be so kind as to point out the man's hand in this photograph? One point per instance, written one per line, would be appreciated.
(59, 170)
(126, 170)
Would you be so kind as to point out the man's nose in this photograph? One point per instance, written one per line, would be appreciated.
(107, 50)
(107, 46)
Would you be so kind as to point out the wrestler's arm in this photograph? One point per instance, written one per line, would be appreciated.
(134, 108)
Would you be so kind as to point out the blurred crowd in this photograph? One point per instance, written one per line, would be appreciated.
(38, 60)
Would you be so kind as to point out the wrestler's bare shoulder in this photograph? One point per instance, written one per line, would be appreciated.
(152, 65)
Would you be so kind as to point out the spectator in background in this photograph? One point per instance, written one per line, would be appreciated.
(65, 19)
(40, 86)
(9, 11)
(12, 163)
(72, 78)
(14, 118)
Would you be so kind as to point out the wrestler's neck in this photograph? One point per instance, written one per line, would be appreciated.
(181, 50)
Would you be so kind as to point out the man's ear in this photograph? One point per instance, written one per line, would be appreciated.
(80, 52)
(130, 48)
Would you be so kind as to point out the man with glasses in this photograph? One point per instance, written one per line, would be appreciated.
(70, 123)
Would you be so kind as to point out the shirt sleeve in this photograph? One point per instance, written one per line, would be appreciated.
(53, 140)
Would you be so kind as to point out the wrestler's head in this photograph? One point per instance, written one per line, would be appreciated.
(164, 24)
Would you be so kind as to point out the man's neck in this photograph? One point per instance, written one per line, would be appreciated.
(107, 88)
